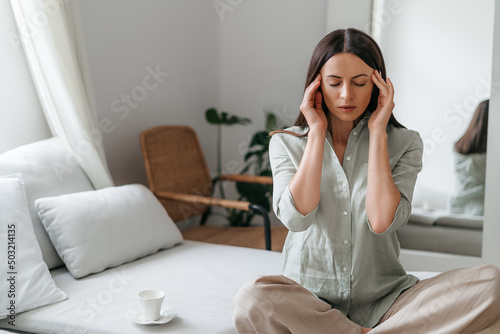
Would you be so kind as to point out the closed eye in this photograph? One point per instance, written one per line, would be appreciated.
(355, 84)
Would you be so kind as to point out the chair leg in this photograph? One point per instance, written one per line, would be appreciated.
(209, 209)
(205, 215)
(267, 224)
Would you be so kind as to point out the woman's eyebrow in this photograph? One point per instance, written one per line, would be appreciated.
(354, 77)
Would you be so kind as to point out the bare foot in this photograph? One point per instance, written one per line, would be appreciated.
(365, 330)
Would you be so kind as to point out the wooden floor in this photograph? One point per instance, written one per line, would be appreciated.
(252, 237)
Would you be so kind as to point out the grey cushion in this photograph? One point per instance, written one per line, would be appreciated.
(466, 221)
(445, 218)
(454, 240)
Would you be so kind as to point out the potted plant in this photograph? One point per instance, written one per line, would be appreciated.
(256, 162)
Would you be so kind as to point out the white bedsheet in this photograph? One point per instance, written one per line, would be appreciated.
(199, 281)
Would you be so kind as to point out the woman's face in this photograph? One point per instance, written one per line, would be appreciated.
(347, 86)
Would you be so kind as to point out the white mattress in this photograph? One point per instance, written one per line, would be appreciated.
(199, 281)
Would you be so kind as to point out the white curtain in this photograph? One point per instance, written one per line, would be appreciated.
(51, 48)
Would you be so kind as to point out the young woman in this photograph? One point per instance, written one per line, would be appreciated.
(343, 184)
(470, 165)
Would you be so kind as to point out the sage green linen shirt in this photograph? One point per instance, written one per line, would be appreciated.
(332, 251)
(470, 173)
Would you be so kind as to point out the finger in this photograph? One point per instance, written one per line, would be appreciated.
(390, 85)
(318, 101)
(375, 77)
(389, 91)
(315, 83)
(379, 81)
(378, 77)
(311, 89)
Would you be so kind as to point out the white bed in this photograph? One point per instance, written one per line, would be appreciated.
(104, 237)
(199, 280)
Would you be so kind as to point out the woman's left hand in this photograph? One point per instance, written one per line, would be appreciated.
(380, 117)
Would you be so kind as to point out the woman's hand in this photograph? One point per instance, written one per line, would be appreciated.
(306, 183)
(312, 109)
(380, 117)
(382, 194)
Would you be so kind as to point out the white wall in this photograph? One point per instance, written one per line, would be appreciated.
(265, 49)
(21, 116)
(349, 14)
(439, 56)
(125, 40)
(241, 58)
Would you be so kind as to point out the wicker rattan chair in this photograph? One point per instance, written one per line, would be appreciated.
(179, 177)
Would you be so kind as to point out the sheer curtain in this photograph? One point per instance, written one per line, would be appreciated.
(51, 51)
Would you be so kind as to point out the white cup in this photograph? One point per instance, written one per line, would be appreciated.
(151, 301)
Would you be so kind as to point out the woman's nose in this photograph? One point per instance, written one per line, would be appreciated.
(345, 92)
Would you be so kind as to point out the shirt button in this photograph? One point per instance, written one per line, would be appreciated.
(346, 242)
(348, 158)
(355, 133)
(345, 269)
(344, 213)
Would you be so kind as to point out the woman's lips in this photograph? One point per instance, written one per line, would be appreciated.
(346, 108)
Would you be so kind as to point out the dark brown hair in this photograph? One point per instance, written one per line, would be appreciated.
(351, 41)
(476, 135)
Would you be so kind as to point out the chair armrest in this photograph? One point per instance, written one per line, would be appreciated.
(246, 178)
(225, 203)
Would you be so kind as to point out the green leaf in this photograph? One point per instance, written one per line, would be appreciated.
(233, 120)
(248, 219)
(245, 120)
(260, 138)
(226, 119)
(245, 169)
(266, 172)
(223, 117)
(265, 203)
(211, 116)
(253, 192)
(236, 218)
(271, 121)
(248, 155)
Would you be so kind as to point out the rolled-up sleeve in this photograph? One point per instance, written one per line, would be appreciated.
(284, 167)
(405, 174)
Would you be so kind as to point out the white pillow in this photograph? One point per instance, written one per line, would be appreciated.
(26, 282)
(94, 230)
(48, 169)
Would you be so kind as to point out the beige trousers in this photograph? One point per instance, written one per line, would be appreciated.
(459, 301)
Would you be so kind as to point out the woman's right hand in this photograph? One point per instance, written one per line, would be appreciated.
(311, 107)
(306, 183)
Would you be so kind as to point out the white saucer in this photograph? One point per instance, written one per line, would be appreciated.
(166, 314)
